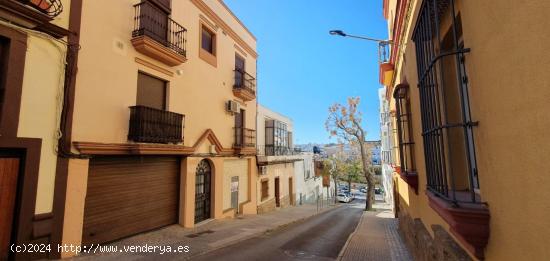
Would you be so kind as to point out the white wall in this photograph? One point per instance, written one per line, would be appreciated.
(307, 188)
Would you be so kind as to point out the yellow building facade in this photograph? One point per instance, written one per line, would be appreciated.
(163, 129)
(34, 56)
(467, 90)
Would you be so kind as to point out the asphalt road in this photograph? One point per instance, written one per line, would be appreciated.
(317, 238)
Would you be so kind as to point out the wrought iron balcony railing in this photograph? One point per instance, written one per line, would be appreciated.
(244, 138)
(151, 21)
(245, 81)
(155, 126)
(51, 8)
(271, 150)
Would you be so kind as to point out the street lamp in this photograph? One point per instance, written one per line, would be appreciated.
(343, 34)
(382, 44)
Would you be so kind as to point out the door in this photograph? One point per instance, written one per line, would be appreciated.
(290, 191)
(235, 193)
(239, 128)
(9, 170)
(203, 177)
(277, 193)
(130, 195)
(239, 68)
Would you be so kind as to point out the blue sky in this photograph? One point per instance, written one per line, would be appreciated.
(302, 69)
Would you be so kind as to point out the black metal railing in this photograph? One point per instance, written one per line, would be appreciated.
(151, 21)
(448, 138)
(155, 126)
(272, 150)
(51, 8)
(245, 81)
(244, 138)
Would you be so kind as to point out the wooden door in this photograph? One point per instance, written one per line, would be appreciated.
(203, 188)
(239, 71)
(239, 128)
(277, 193)
(290, 191)
(9, 171)
(130, 195)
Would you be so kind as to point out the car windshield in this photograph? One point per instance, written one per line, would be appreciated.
(341, 195)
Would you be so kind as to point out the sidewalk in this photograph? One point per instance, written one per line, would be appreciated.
(208, 236)
(376, 238)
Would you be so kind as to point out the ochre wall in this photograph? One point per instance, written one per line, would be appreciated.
(107, 80)
(509, 97)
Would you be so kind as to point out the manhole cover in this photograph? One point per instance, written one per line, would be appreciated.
(299, 254)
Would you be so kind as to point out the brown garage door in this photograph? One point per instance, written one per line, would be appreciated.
(129, 195)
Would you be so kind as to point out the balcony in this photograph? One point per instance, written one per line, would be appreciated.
(271, 150)
(245, 140)
(245, 85)
(51, 8)
(155, 126)
(270, 154)
(157, 35)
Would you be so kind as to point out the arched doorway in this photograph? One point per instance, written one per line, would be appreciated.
(203, 179)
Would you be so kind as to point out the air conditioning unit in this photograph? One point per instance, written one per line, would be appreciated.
(263, 170)
(233, 106)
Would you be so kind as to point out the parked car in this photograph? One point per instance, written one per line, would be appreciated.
(377, 191)
(343, 198)
(364, 190)
(351, 196)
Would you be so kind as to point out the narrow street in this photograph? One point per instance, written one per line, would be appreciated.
(318, 238)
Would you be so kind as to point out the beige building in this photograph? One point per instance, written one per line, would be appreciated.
(33, 60)
(276, 184)
(163, 124)
(468, 90)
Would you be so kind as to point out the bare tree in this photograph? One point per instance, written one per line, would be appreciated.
(344, 122)
(332, 167)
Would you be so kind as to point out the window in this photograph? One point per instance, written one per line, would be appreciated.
(151, 92)
(276, 138)
(265, 189)
(404, 130)
(239, 71)
(447, 125)
(208, 40)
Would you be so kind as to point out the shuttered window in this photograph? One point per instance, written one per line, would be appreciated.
(151, 92)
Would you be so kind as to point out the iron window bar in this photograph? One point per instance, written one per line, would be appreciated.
(404, 130)
(433, 102)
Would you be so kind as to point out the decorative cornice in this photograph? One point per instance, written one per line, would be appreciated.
(154, 66)
(219, 22)
(98, 148)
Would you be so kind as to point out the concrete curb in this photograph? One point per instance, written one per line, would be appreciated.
(260, 233)
(343, 250)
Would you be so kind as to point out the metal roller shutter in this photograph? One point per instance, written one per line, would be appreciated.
(130, 195)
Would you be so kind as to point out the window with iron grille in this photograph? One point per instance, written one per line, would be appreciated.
(265, 189)
(404, 130)
(447, 125)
